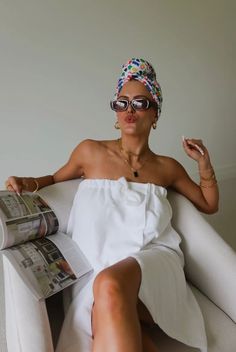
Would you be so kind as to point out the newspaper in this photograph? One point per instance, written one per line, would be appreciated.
(47, 260)
(24, 218)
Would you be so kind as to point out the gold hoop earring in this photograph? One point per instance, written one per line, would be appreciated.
(116, 125)
(154, 125)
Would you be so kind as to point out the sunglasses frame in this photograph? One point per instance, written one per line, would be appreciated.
(131, 102)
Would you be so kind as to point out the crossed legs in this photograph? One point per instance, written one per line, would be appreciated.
(118, 317)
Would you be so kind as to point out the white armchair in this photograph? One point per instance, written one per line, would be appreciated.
(210, 270)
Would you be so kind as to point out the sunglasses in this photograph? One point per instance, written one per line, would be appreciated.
(137, 104)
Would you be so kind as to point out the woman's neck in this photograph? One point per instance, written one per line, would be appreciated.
(134, 147)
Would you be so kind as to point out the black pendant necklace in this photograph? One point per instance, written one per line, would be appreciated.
(135, 171)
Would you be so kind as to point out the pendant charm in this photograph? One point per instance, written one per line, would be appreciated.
(135, 173)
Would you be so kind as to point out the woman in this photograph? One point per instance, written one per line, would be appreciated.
(121, 221)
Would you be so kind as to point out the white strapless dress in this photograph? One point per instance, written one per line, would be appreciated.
(115, 219)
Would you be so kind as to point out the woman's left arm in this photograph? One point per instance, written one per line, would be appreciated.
(204, 196)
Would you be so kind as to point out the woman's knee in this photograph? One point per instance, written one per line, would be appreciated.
(109, 292)
(117, 285)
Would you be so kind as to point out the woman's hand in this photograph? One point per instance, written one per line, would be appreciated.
(207, 199)
(196, 150)
(14, 184)
(19, 184)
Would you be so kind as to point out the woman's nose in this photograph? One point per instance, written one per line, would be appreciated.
(130, 108)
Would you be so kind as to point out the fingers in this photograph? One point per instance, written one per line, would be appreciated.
(194, 145)
(14, 184)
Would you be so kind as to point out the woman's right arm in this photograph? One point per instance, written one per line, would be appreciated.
(71, 170)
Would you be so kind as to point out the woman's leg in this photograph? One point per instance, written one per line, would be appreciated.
(146, 322)
(115, 320)
(148, 344)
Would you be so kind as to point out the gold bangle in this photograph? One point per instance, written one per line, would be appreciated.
(210, 178)
(206, 172)
(209, 168)
(37, 185)
(212, 184)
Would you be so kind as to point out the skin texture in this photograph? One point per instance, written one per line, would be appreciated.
(119, 318)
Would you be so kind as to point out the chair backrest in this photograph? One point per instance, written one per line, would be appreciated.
(60, 198)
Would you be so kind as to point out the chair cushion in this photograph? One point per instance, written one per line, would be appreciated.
(220, 329)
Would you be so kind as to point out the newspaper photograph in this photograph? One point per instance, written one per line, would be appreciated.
(18, 206)
(43, 266)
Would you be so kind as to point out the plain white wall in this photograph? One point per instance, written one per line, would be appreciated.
(60, 61)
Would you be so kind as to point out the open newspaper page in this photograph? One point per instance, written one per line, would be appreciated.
(24, 217)
(43, 267)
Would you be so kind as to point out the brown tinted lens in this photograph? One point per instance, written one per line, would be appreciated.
(140, 104)
(119, 105)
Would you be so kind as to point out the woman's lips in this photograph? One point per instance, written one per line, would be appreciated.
(130, 119)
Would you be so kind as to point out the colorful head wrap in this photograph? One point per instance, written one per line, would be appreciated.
(142, 71)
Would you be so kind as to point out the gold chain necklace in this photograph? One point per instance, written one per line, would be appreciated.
(122, 150)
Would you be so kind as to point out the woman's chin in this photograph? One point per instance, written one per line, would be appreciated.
(130, 131)
(130, 127)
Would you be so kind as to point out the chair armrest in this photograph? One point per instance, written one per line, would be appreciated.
(27, 324)
(210, 263)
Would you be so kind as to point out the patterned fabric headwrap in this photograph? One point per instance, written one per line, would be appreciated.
(142, 71)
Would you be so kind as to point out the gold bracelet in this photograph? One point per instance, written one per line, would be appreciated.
(210, 178)
(209, 168)
(212, 184)
(37, 185)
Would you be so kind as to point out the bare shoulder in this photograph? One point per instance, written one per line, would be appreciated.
(87, 145)
(170, 168)
(83, 160)
(169, 164)
(89, 149)
(86, 148)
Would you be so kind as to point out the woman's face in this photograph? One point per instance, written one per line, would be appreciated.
(136, 121)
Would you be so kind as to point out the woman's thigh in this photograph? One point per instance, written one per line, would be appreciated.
(125, 275)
